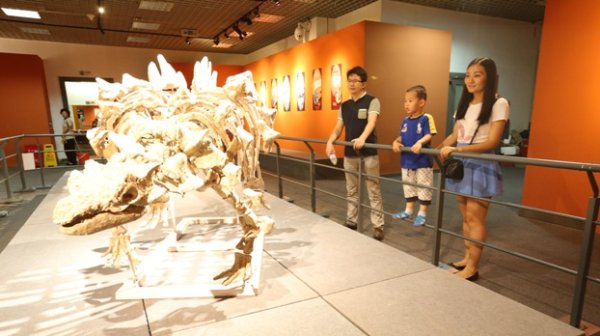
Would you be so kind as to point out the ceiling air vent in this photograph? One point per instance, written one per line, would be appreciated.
(189, 33)
(161, 6)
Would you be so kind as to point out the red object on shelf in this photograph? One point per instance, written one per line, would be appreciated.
(82, 157)
(524, 147)
(33, 149)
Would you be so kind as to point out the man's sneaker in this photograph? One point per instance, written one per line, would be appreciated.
(351, 225)
(401, 215)
(378, 233)
(419, 220)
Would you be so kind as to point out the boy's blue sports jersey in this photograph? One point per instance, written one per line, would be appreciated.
(411, 131)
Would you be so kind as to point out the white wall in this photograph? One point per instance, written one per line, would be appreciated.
(512, 44)
(371, 12)
(82, 93)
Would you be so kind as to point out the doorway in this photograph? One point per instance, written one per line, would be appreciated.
(455, 89)
(80, 97)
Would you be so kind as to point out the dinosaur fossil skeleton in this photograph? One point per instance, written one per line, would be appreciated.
(158, 138)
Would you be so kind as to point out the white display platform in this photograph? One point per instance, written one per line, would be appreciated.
(184, 266)
(318, 278)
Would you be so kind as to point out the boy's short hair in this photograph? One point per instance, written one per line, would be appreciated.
(419, 90)
(65, 110)
(359, 71)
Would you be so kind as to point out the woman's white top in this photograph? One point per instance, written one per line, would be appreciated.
(468, 125)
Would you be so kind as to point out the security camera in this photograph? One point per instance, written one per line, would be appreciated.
(299, 34)
(302, 30)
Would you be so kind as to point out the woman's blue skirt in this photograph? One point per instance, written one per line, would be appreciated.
(482, 178)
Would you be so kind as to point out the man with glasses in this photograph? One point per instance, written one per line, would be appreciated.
(358, 116)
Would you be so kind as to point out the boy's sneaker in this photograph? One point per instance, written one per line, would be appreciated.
(401, 215)
(378, 233)
(419, 220)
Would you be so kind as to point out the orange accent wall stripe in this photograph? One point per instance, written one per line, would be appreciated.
(565, 122)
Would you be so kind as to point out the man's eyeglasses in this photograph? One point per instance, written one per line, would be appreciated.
(354, 81)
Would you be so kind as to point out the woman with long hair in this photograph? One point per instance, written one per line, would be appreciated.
(480, 119)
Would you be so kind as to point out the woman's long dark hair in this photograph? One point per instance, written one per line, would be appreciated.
(489, 94)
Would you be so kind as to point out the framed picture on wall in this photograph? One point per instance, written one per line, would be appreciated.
(274, 93)
(263, 93)
(286, 94)
(300, 91)
(336, 86)
(317, 96)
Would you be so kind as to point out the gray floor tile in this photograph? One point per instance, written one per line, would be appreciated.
(416, 304)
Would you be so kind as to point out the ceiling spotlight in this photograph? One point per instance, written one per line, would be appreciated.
(276, 2)
(188, 41)
(241, 33)
(246, 19)
(226, 34)
(216, 40)
(100, 7)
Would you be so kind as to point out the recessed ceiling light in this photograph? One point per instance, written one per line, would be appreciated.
(24, 13)
(270, 18)
(161, 6)
(145, 25)
(39, 31)
(137, 39)
(222, 45)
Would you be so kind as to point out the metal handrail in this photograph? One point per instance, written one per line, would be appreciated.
(582, 272)
(20, 168)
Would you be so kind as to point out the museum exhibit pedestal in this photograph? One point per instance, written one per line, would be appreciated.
(183, 264)
(318, 278)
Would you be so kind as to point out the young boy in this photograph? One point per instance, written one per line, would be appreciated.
(416, 132)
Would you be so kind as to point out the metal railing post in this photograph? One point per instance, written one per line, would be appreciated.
(20, 164)
(439, 214)
(279, 180)
(9, 194)
(359, 216)
(586, 255)
(311, 176)
(40, 161)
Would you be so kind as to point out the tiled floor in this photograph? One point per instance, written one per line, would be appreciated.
(317, 278)
(541, 288)
(544, 289)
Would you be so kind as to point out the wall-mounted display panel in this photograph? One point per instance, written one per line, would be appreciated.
(274, 93)
(317, 91)
(336, 86)
(300, 91)
(286, 93)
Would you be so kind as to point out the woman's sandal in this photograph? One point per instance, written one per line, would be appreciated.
(473, 277)
(458, 267)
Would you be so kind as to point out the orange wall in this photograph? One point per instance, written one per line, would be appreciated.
(23, 97)
(413, 55)
(422, 57)
(344, 47)
(565, 122)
